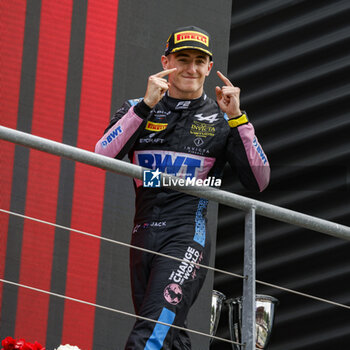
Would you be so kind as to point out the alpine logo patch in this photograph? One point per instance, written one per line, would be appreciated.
(209, 118)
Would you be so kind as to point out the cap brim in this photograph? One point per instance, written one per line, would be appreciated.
(176, 49)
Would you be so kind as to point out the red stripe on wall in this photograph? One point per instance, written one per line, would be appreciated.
(11, 43)
(89, 182)
(43, 172)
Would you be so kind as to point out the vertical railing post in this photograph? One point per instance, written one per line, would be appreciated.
(248, 302)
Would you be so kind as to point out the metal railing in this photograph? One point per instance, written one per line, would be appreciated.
(250, 206)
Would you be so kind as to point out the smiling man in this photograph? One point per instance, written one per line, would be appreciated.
(192, 67)
(177, 129)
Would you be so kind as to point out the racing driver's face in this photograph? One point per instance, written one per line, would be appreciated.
(193, 66)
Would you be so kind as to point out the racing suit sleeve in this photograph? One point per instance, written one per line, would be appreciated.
(123, 129)
(246, 156)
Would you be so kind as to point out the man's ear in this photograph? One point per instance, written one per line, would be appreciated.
(165, 62)
(210, 66)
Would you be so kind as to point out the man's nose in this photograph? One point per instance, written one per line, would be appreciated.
(191, 67)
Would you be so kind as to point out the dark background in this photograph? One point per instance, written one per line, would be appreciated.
(291, 60)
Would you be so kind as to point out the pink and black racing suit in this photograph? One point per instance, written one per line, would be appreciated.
(186, 138)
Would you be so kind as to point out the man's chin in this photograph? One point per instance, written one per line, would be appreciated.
(190, 88)
(187, 91)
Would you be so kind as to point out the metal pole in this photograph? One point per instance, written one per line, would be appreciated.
(248, 302)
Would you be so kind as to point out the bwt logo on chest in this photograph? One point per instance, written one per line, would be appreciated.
(170, 163)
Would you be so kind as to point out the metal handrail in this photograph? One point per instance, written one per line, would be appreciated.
(132, 170)
(250, 206)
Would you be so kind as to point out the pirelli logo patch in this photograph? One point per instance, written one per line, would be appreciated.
(156, 126)
(192, 36)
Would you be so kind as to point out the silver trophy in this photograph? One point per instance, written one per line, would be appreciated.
(216, 305)
(265, 311)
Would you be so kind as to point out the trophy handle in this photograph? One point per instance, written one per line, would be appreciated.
(235, 321)
(216, 305)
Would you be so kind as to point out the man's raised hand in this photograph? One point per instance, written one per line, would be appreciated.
(228, 97)
(157, 86)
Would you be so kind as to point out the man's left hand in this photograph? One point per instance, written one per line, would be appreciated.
(228, 97)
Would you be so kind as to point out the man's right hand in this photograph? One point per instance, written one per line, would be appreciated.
(156, 88)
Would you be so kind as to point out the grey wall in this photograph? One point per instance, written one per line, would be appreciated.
(291, 60)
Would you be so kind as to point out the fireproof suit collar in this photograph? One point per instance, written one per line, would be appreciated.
(175, 104)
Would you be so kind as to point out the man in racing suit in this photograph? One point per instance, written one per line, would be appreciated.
(177, 129)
